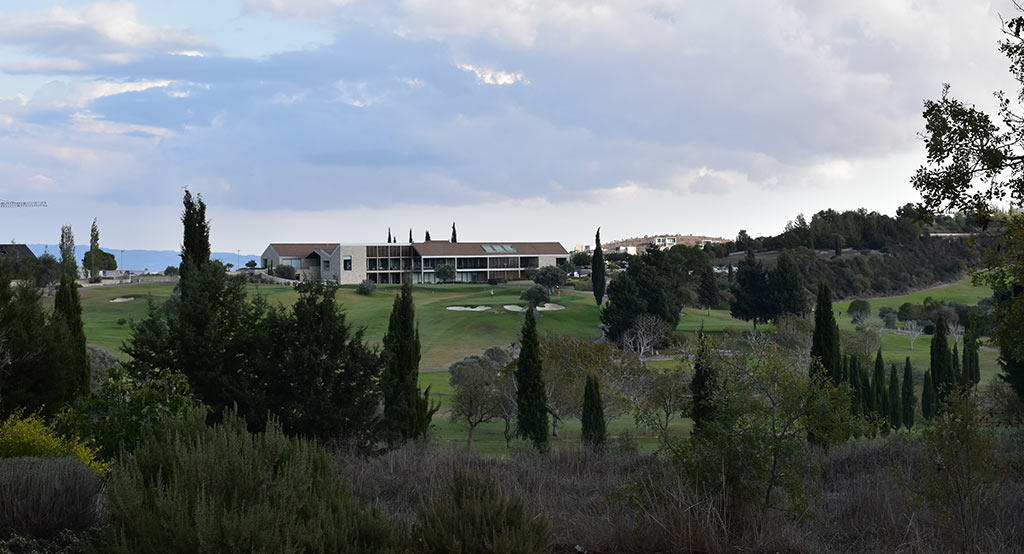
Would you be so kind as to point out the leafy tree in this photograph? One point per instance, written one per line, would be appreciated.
(786, 285)
(895, 415)
(860, 311)
(581, 259)
(912, 329)
(530, 394)
(549, 277)
(888, 316)
(597, 269)
(825, 340)
(171, 270)
(477, 398)
(403, 409)
(751, 292)
(444, 273)
(455, 237)
(251, 264)
(47, 270)
(707, 288)
(652, 284)
(567, 362)
(535, 295)
(594, 431)
(702, 386)
(908, 400)
(104, 261)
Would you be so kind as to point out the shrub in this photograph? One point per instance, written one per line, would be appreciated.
(222, 489)
(40, 497)
(285, 272)
(470, 515)
(117, 414)
(585, 285)
(444, 273)
(22, 436)
(366, 287)
(493, 281)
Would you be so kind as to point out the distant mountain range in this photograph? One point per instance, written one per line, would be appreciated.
(138, 260)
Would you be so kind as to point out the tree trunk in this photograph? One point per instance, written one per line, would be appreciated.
(554, 425)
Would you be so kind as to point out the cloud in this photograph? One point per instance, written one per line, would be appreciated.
(492, 76)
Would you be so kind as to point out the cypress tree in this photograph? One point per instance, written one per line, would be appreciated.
(531, 397)
(195, 245)
(867, 400)
(94, 249)
(597, 269)
(702, 387)
(970, 356)
(410, 235)
(850, 371)
(958, 375)
(879, 398)
(940, 362)
(426, 236)
(67, 309)
(825, 340)
(895, 409)
(389, 235)
(455, 237)
(928, 396)
(786, 287)
(594, 430)
(908, 401)
(404, 408)
(707, 287)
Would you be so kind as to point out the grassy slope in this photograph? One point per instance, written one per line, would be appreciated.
(448, 335)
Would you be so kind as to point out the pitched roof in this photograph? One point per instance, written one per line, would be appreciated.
(16, 251)
(445, 248)
(301, 249)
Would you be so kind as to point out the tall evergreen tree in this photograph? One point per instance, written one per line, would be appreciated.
(702, 387)
(908, 402)
(942, 378)
(94, 249)
(594, 427)
(825, 340)
(958, 375)
(879, 399)
(971, 367)
(851, 376)
(389, 235)
(928, 397)
(195, 245)
(455, 237)
(895, 408)
(788, 295)
(67, 308)
(531, 396)
(1011, 370)
(865, 387)
(410, 235)
(752, 299)
(404, 409)
(707, 287)
(426, 236)
(597, 269)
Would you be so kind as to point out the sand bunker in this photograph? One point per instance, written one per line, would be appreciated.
(544, 308)
(123, 299)
(468, 308)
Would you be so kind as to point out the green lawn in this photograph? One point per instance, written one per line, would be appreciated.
(446, 335)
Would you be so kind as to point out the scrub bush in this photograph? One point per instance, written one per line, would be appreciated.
(30, 436)
(223, 489)
(41, 497)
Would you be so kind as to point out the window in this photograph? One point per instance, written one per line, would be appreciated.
(371, 264)
(294, 262)
(327, 265)
(347, 263)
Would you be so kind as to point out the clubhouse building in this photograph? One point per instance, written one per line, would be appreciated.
(385, 263)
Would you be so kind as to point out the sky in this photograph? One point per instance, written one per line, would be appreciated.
(335, 120)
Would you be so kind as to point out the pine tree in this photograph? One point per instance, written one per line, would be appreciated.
(702, 387)
(825, 341)
(908, 401)
(94, 249)
(752, 294)
(879, 398)
(455, 237)
(788, 295)
(597, 269)
(67, 309)
(940, 363)
(895, 409)
(928, 397)
(404, 408)
(594, 426)
(531, 397)
(426, 236)
(707, 288)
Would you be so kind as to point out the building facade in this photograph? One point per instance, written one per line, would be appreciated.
(386, 263)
